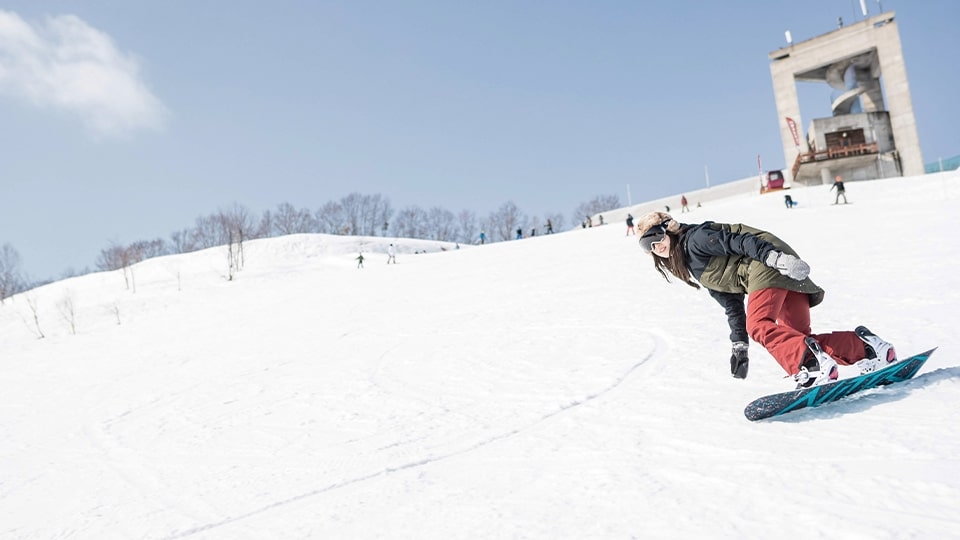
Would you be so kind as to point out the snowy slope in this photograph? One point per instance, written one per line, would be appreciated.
(553, 387)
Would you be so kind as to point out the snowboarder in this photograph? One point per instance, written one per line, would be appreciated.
(841, 191)
(359, 260)
(483, 237)
(734, 261)
(549, 226)
(788, 201)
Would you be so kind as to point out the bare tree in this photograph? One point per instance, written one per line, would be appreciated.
(468, 227)
(600, 203)
(148, 249)
(441, 224)
(329, 218)
(117, 257)
(68, 311)
(266, 225)
(32, 302)
(505, 221)
(234, 258)
(236, 224)
(356, 214)
(207, 233)
(229, 227)
(411, 222)
(238, 220)
(11, 278)
(381, 212)
(262, 228)
(289, 220)
(73, 272)
(182, 241)
(111, 258)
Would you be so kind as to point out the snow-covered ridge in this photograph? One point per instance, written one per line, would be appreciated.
(552, 387)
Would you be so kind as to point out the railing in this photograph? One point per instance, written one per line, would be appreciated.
(834, 153)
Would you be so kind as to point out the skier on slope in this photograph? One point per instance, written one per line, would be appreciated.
(732, 261)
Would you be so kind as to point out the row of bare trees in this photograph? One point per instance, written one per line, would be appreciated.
(12, 279)
(355, 214)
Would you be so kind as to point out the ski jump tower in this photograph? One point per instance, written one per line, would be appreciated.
(866, 137)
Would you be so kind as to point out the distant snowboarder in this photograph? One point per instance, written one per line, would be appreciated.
(841, 191)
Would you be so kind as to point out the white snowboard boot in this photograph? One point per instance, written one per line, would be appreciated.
(818, 368)
(880, 354)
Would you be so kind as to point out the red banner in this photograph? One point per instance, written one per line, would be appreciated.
(793, 131)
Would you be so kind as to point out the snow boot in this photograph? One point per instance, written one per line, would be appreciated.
(879, 353)
(818, 368)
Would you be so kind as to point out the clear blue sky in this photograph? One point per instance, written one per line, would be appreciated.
(125, 121)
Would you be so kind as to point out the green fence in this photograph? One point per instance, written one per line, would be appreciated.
(948, 164)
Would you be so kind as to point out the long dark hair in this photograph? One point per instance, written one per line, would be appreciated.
(676, 264)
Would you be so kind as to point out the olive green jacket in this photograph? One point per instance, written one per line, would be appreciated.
(727, 259)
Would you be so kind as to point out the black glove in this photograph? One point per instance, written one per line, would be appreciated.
(739, 361)
(788, 265)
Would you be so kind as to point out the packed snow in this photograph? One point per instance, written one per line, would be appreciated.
(551, 387)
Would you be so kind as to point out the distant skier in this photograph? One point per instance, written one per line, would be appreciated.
(391, 254)
(734, 261)
(630, 229)
(359, 260)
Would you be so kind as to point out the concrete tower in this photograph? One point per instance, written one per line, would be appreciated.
(866, 137)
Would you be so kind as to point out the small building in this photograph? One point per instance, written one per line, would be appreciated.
(872, 132)
(772, 181)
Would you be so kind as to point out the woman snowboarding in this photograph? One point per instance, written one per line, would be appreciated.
(735, 261)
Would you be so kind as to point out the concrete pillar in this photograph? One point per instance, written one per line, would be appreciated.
(811, 60)
(826, 176)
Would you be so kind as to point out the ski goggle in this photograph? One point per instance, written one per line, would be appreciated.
(652, 237)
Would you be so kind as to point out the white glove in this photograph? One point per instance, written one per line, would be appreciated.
(788, 265)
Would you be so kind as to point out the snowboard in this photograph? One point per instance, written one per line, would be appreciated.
(784, 402)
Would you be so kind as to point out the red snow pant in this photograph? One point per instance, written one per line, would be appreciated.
(779, 320)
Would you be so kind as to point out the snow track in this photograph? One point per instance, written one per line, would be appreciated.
(474, 400)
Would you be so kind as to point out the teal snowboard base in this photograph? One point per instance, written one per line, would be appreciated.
(782, 403)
